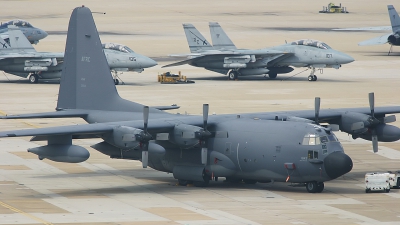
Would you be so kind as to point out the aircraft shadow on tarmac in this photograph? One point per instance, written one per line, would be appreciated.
(166, 184)
(300, 78)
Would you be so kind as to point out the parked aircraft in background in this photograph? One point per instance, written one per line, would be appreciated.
(286, 146)
(225, 58)
(18, 57)
(392, 38)
(32, 33)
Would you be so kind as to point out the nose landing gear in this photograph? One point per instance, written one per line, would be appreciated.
(315, 187)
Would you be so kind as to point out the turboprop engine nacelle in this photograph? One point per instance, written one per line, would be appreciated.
(185, 135)
(385, 133)
(61, 153)
(349, 118)
(125, 137)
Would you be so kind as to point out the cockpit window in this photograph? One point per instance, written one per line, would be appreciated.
(312, 43)
(18, 23)
(117, 47)
(314, 139)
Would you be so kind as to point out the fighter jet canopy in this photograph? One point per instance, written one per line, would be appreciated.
(117, 47)
(312, 43)
(18, 23)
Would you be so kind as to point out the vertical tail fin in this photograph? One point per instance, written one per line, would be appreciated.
(394, 19)
(195, 39)
(18, 40)
(219, 38)
(86, 81)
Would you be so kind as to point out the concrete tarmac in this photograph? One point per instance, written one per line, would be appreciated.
(110, 191)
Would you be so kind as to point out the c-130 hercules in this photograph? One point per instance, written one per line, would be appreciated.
(223, 56)
(287, 146)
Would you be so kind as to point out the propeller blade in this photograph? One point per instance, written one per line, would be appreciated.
(371, 98)
(374, 141)
(317, 106)
(204, 156)
(389, 119)
(357, 126)
(205, 116)
(145, 158)
(145, 117)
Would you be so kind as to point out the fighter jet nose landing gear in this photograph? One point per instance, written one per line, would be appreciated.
(312, 76)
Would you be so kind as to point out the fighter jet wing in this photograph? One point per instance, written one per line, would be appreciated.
(376, 41)
(366, 28)
(187, 61)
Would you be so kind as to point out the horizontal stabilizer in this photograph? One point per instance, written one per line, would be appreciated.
(376, 41)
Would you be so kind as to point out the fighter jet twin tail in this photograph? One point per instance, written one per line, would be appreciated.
(286, 146)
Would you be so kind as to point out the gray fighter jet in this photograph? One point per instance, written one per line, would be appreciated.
(392, 38)
(286, 146)
(33, 34)
(225, 58)
(18, 57)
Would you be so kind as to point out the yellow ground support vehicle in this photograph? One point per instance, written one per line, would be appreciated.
(169, 78)
(332, 8)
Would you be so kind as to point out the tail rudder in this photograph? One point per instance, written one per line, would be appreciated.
(394, 18)
(18, 40)
(195, 39)
(86, 81)
(219, 38)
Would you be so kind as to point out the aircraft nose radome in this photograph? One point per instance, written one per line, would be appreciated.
(44, 33)
(147, 62)
(344, 58)
(337, 164)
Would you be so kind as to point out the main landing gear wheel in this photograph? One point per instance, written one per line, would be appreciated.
(183, 182)
(272, 75)
(116, 81)
(34, 78)
(315, 187)
(233, 75)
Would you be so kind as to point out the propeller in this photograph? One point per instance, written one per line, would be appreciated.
(144, 137)
(317, 107)
(372, 122)
(204, 134)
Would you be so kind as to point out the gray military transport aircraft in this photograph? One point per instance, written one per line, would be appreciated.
(18, 57)
(225, 58)
(33, 34)
(288, 146)
(392, 38)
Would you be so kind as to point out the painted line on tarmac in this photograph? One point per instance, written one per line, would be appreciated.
(24, 213)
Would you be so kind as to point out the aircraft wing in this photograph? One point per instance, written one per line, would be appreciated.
(57, 114)
(187, 61)
(376, 41)
(366, 28)
(260, 53)
(97, 128)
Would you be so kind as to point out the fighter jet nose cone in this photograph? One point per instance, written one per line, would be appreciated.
(147, 62)
(337, 164)
(44, 33)
(347, 59)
